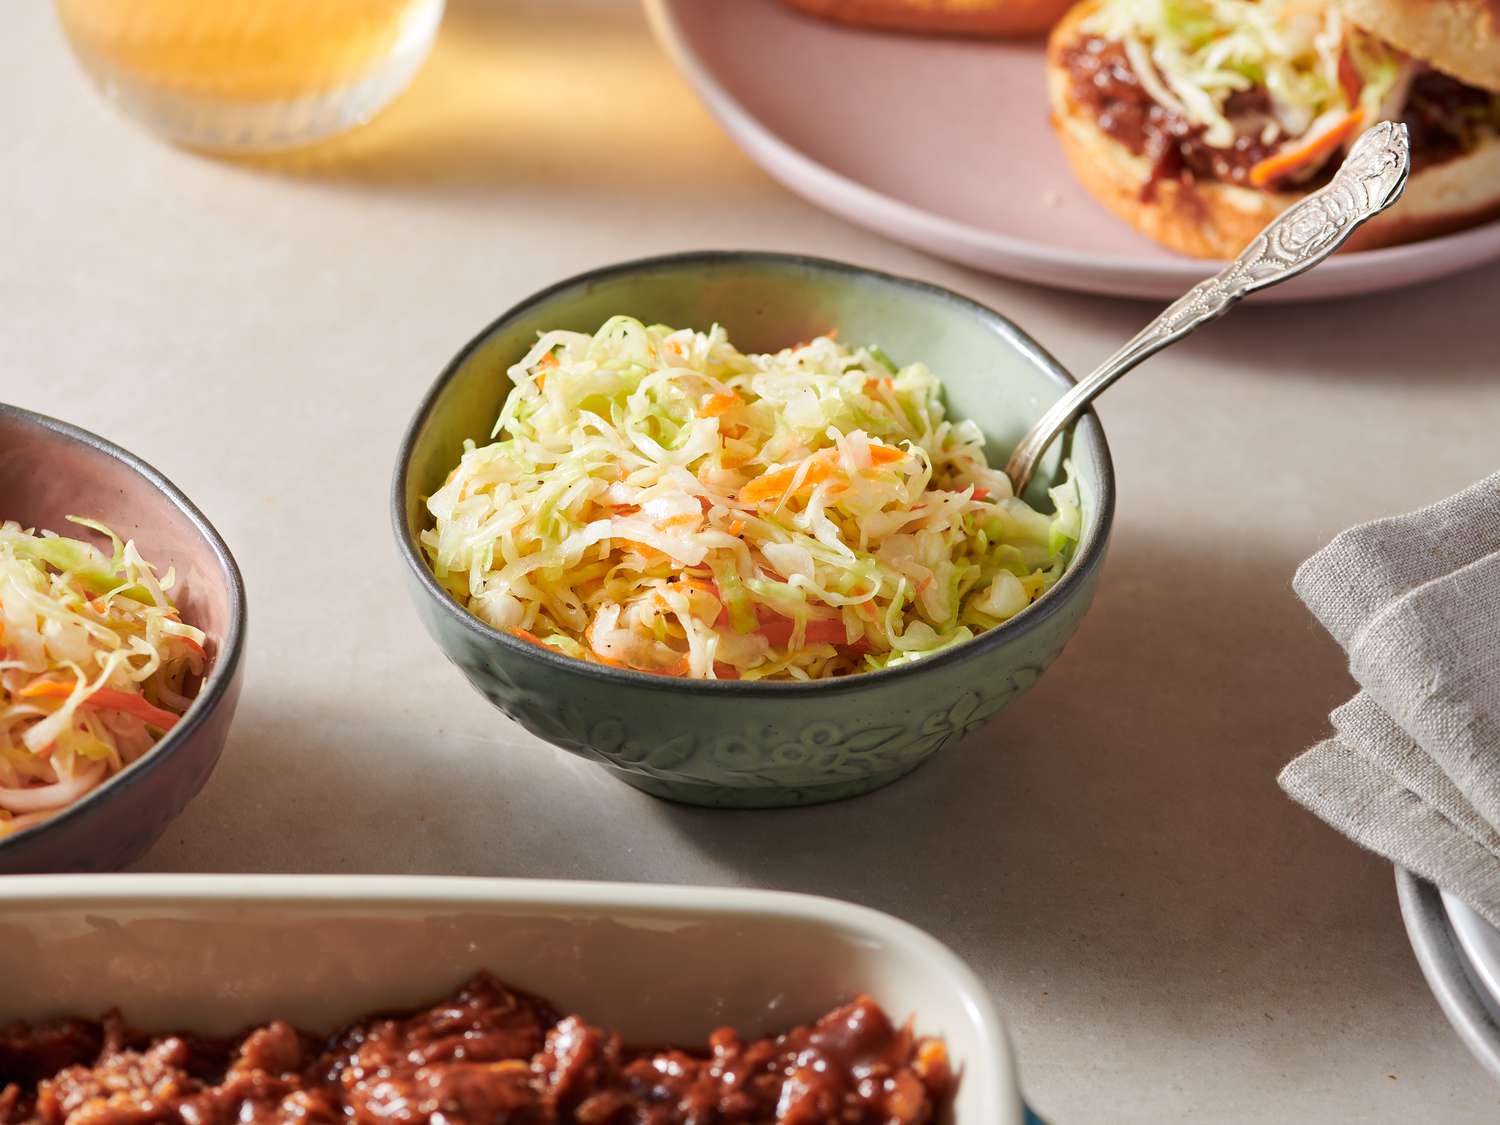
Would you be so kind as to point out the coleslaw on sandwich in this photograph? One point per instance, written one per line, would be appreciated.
(1323, 78)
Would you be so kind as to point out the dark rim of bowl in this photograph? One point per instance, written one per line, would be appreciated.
(1084, 562)
(225, 662)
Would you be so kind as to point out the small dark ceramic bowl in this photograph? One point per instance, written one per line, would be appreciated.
(732, 743)
(50, 470)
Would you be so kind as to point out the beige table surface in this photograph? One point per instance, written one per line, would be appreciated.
(1168, 936)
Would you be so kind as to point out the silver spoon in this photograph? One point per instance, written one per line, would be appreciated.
(1371, 178)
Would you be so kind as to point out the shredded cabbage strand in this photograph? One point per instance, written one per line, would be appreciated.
(1193, 55)
(659, 500)
(95, 665)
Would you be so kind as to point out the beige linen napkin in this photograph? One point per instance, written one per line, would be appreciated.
(1413, 770)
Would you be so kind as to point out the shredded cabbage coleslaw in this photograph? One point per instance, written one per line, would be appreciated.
(663, 502)
(1324, 77)
(95, 666)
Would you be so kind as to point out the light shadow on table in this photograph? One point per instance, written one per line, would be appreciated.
(1128, 803)
(513, 99)
(1357, 338)
(1112, 854)
(1372, 340)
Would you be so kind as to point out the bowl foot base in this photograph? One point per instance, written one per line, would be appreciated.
(708, 795)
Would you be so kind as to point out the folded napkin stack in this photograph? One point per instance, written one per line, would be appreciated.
(1413, 771)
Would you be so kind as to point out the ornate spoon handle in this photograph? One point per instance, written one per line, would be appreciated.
(1371, 178)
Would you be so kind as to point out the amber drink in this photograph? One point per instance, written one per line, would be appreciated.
(250, 74)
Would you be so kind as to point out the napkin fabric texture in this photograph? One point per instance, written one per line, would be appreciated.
(1413, 769)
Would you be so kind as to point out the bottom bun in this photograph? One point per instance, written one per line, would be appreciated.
(1208, 219)
(958, 17)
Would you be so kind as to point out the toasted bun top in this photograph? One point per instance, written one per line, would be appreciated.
(1461, 38)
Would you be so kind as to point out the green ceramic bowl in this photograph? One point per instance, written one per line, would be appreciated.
(730, 743)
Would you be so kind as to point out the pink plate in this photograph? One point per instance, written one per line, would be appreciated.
(944, 144)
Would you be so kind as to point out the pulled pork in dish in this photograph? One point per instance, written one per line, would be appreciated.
(488, 1054)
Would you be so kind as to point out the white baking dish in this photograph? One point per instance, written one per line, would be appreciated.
(215, 953)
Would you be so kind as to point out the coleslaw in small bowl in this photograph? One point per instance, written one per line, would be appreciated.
(660, 501)
(96, 666)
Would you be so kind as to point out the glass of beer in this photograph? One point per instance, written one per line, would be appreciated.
(250, 75)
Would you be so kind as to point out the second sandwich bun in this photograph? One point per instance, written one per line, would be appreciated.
(951, 17)
(1210, 218)
(1458, 37)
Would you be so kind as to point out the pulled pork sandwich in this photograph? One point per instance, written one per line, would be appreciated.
(1198, 121)
(958, 17)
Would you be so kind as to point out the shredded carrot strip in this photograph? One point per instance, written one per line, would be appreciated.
(645, 550)
(111, 700)
(820, 631)
(821, 466)
(525, 635)
(716, 405)
(107, 699)
(1274, 167)
(681, 668)
(45, 689)
(773, 485)
(607, 661)
(1349, 78)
